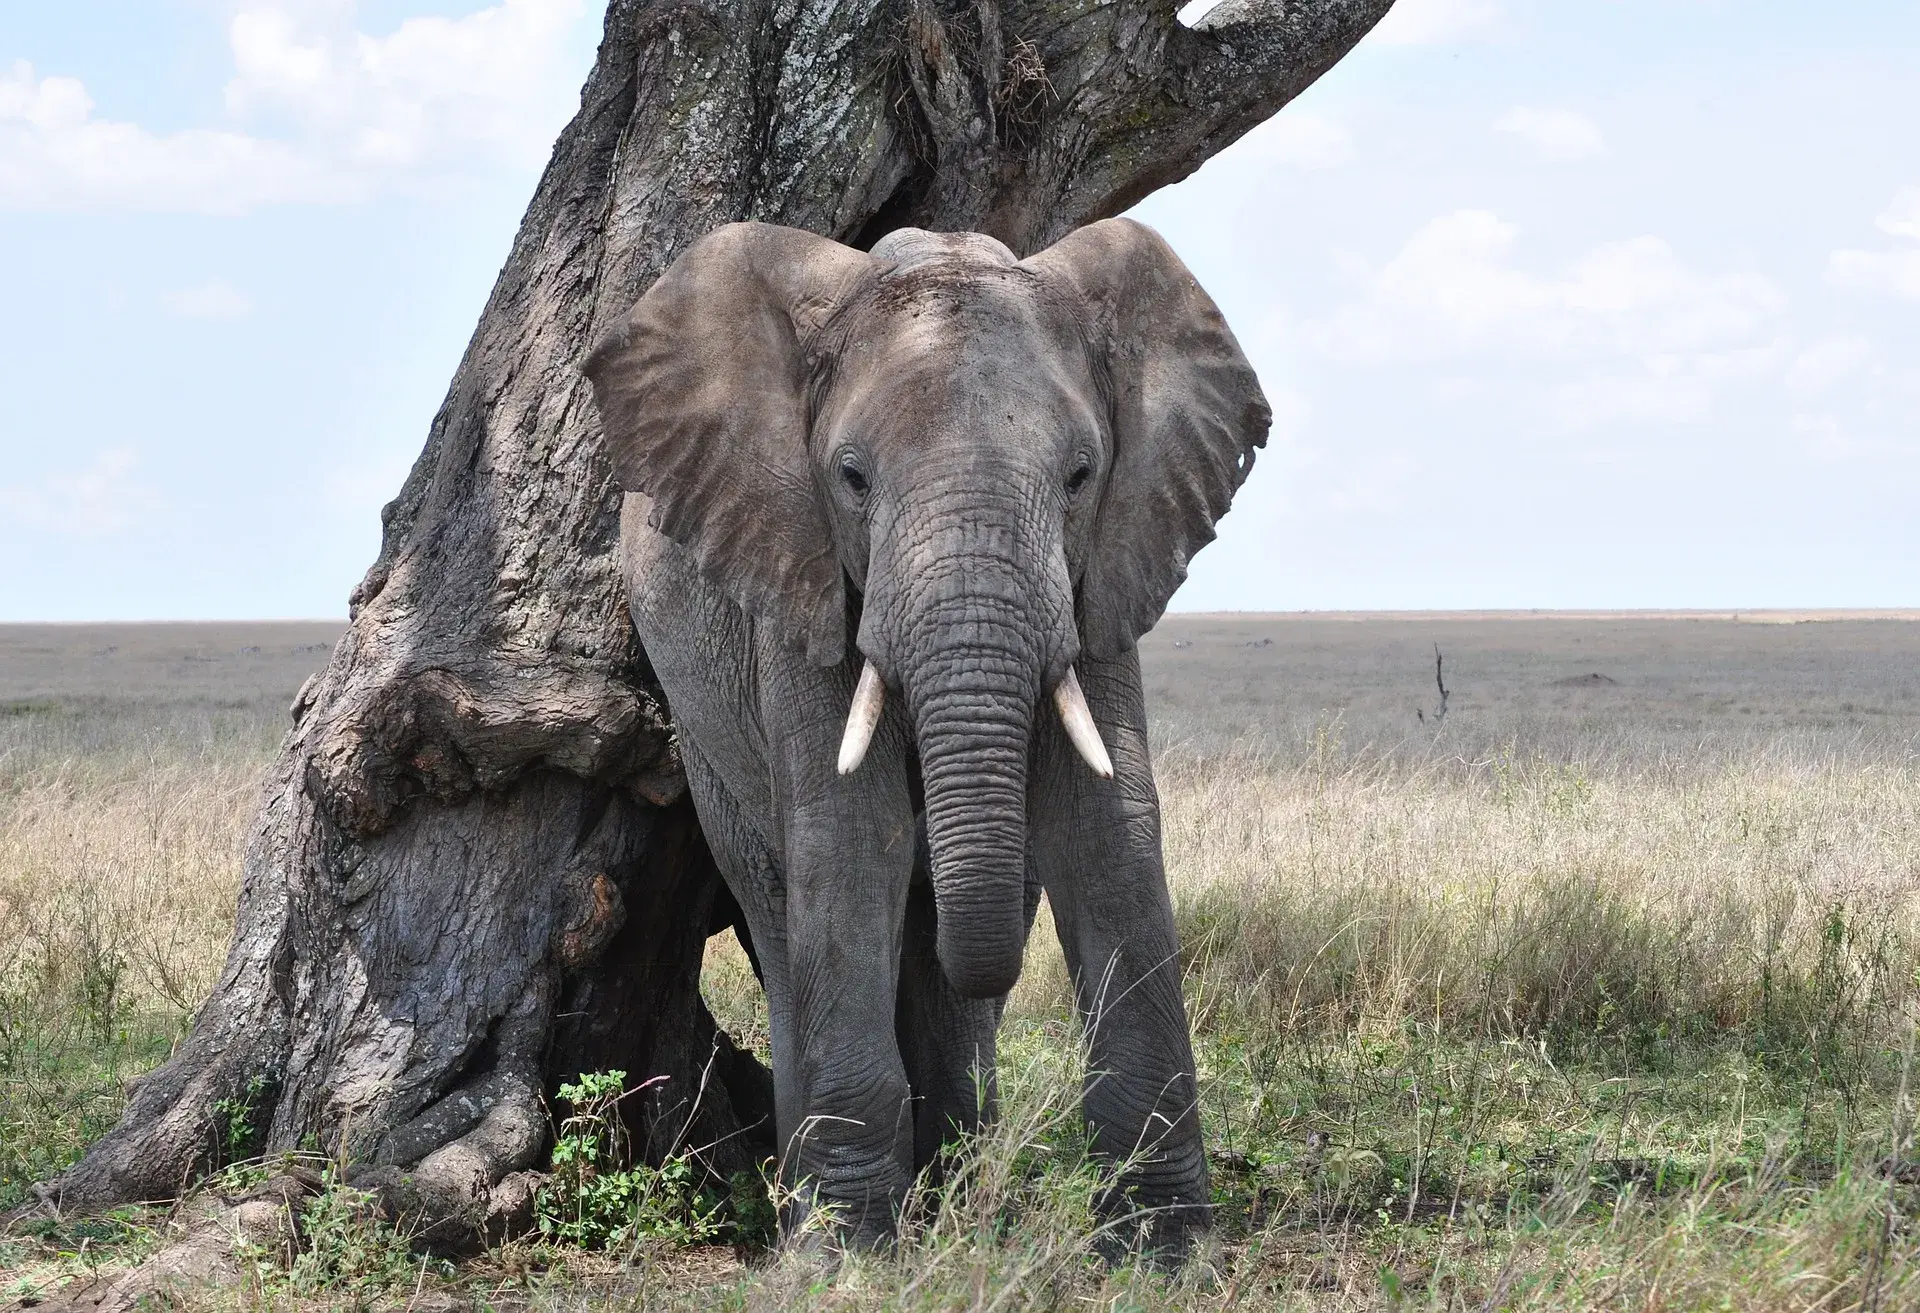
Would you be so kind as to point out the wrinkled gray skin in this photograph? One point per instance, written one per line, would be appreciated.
(973, 472)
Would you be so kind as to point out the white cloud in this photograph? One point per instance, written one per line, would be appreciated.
(493, 79)
(1454, 288)
(353, 112)
(1298, 140)
(1902, 218)
(214, 299)
(1625, 332)
(54, 155)
(1816, 369)
(1434, 22)
(101, 499)
(1897, 270)
(1672, 389)
(1454, 270)
(1558, 134)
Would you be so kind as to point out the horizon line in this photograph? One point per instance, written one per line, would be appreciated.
(1755, 614)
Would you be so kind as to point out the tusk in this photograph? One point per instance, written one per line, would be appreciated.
(869, 695)
(1080, 727)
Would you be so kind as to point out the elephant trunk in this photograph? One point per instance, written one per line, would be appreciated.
(973, 708)
(969, 612)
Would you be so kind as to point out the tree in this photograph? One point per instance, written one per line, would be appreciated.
(473, 873)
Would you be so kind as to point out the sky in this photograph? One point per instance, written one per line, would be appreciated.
(1607, 304)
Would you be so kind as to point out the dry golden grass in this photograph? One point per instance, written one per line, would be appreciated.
(121, 892)
(117, 889)
(130, 758)
(1539, 899)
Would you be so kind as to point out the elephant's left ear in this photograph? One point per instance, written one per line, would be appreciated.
(1186, 413)
(703, 395)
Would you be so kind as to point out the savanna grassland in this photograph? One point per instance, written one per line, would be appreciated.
(1598, 991)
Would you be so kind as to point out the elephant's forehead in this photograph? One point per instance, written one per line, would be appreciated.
(962, 304)
(961, 355)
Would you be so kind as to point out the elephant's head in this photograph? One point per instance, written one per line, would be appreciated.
(1010, 460)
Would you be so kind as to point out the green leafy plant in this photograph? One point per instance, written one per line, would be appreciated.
(236, 1130)
(599, 1198)
(345, 1247)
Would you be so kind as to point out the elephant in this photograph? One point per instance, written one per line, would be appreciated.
(882, 508)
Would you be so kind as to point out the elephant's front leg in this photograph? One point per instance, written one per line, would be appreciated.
(851, 1149)
(1096, 847)
(849, 850)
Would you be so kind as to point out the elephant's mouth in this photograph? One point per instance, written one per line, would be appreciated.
(870, 695)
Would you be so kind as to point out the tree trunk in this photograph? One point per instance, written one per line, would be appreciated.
(473, 873)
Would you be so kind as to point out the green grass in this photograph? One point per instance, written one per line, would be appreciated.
(1402, 1169)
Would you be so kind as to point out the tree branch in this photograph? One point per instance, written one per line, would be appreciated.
(1216, 81)
(1265, 52)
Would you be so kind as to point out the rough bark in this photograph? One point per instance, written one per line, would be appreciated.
(472, 873)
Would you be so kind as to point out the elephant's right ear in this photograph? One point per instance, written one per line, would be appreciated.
(703, 395)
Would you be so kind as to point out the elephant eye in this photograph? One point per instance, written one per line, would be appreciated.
(850, 472)
(1078, 479)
